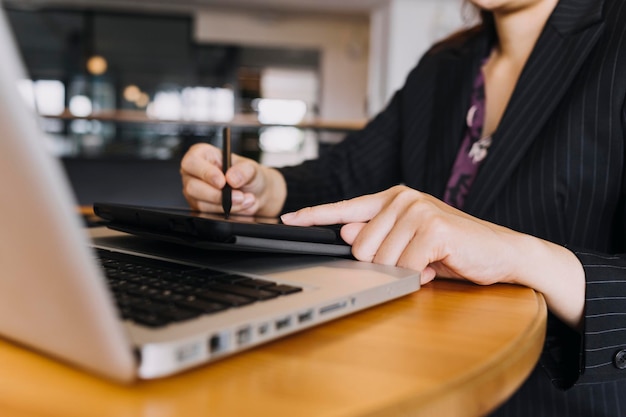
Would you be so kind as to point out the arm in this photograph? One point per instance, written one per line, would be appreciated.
(404, 227)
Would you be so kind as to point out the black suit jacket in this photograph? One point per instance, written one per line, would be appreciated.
(555, 170)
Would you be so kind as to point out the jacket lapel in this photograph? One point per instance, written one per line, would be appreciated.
(568, 38)
(451, 100)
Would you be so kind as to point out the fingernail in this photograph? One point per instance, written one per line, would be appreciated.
(248, 201)
(287, 216)
(238, 198)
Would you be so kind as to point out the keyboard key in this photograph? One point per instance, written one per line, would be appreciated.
(283, 289)
(255, 283)
(204, 306)
(232, 300)
(253, 293)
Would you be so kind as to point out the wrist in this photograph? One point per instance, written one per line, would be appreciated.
(557, 273)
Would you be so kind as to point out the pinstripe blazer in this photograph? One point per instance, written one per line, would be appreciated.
(555, 170)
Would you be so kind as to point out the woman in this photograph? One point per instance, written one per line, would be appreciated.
(508, 140)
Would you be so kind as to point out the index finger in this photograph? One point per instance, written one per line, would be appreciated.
(357, 210)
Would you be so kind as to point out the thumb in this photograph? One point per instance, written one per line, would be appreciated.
(242, 172)
(350, 231)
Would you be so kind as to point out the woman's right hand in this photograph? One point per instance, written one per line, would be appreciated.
(257, 190)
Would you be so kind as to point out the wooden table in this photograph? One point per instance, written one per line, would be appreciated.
(451, 349)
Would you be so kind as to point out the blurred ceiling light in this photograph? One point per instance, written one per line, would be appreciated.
(49, 97)
(132, 93)
(281, 112)
(167, 105)
(97, 65)
(223, 104)
(80, 106)
(143, 100)
(197, 103)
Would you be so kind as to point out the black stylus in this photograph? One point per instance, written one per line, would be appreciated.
(227, 200)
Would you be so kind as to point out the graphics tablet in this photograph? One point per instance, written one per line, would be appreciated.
(214, 231)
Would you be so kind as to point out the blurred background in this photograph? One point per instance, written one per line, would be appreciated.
(124, 87)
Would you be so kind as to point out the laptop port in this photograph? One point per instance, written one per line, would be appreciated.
(218, 343)
(333, 307)
(305, 316)
(244, 335)
(263, 329)
(283, 323)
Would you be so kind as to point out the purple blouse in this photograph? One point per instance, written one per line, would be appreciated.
(473, 149)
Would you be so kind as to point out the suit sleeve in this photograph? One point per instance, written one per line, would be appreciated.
(599, 353)
(604, 337)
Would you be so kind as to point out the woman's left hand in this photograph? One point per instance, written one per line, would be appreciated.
(404, 227)
(411, 229)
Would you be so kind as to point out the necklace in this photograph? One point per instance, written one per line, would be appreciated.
(480, 148)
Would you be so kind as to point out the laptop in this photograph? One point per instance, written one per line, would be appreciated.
(131, 307)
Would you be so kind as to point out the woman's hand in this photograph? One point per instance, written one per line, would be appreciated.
(407, 228)
(257, 190)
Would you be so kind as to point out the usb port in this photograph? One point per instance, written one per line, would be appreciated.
(305, 316)
(283, 323)
(263, 329)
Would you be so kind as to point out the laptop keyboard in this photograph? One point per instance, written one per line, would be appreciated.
(155, 293)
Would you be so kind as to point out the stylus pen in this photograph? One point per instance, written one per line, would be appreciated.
(227, 200)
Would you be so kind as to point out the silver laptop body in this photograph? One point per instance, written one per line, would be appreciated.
(54, 298)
